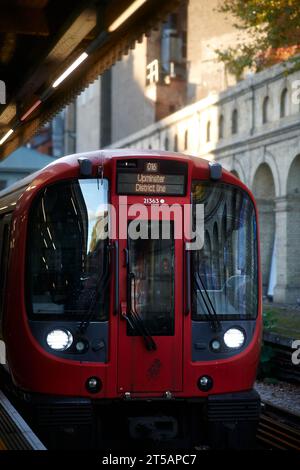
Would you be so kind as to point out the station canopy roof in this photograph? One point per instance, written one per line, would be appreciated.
(40, 40)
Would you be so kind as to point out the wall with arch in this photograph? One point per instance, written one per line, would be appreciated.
(264, 153)
(293, 227)
(263, 188)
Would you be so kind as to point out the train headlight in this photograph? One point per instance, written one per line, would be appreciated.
(59, 339)
(234, 338)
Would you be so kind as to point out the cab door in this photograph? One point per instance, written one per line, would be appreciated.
(151, 318)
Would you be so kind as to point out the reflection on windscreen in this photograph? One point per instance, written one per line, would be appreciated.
(152, 264)
(68, 250)
(227, 263)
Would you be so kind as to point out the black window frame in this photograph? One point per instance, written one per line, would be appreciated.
(284, 102)
(28, 289)
(265, 109)
(221, 127)
(234, 122)
(172, 314)
(234, 317)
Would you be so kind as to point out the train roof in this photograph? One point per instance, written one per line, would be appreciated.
(98, 157)
(101, 155)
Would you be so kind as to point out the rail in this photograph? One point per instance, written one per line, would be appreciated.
(278, 428)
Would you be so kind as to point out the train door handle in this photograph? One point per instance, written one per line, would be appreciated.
(124, 309)
(188, 281)
(126, 257)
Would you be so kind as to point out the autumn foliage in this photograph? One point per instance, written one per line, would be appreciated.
(272, 30)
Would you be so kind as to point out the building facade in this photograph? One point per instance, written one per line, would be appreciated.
(167, 70)
(171, 93)
(253, 130)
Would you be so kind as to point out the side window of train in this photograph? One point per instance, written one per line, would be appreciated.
(4, 253)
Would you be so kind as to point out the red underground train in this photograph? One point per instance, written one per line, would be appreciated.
(130, 299)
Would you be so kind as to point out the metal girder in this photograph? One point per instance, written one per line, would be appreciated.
(23, 20)
(149, 16)
(75, 29)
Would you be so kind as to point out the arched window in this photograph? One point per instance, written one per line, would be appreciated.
(221, 127)
(284, 103)
(208, 126)
(265, 110)
(167, 143)
(186, 139)
(234, 122)
(176, 143)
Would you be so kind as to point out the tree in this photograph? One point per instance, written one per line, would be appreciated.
(272, 30)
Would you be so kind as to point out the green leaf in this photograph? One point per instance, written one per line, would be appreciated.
(273, 28)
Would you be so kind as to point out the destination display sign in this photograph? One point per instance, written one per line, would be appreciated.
(151, 179)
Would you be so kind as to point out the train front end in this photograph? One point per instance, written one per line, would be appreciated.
(139, 297)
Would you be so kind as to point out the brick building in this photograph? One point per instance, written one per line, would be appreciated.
(169, 69)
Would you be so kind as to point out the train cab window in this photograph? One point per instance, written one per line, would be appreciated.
(68, 259)
(225, 268)
(151, 269)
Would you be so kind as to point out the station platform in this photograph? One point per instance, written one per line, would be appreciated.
(15, 434)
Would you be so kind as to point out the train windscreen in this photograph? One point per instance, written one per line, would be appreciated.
(151, 265)
(68, 260)
(225, 268)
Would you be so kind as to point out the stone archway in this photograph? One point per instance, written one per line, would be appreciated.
(264, 191)
(293, 232)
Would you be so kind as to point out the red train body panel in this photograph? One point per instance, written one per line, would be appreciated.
(129, 367)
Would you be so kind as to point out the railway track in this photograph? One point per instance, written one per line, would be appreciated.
(278, 429)
(283, 368)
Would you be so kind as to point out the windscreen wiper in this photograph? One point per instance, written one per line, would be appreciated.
(135, 320)
(211, 311)
(136, 324)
